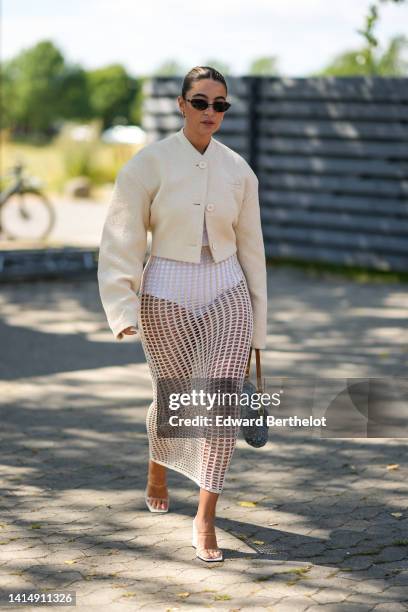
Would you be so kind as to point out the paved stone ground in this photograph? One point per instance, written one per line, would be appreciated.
(306, 523)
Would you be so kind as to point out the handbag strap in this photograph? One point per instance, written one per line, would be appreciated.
(258, 368)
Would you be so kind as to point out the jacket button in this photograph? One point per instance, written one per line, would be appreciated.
(202, 164)
(210, 207)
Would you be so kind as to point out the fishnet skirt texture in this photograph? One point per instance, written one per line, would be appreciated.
(195, 321)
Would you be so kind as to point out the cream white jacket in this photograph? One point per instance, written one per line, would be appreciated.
(166, 188)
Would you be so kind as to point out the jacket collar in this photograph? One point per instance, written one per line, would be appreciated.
(189, 146)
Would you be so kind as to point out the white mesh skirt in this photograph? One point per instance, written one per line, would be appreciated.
(195, 321)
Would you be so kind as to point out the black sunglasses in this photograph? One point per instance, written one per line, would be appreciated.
(220, 106)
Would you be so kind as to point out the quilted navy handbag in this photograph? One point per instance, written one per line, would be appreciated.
(255, 434)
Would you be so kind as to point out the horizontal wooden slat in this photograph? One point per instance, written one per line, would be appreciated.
(373, 89)
(162, 87)
(236, 142)
(324, 165)
(326, 237)
(355, 149)
(383, 261)
(161, 122)
(290, 200)
(317, 109)
(351, 130)
(281, 217)
(334, 184)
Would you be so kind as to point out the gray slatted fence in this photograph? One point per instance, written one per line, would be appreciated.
(331, 155)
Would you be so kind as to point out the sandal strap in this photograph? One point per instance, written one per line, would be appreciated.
(204, 533)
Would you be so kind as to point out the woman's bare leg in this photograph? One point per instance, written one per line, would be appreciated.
(204, 520)
(157, 484)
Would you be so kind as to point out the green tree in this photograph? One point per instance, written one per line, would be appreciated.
(34, 87)
(39, 89)
(264, 66)
(74, 103)
(136, 106)
(6, 96)
(364, 63)
(111, 94)
(392, 60)
(225, 69)
(370, 60)
(170, 68)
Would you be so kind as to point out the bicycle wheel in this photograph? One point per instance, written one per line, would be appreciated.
(28, 215)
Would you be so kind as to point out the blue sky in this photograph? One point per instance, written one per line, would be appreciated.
(303, 34)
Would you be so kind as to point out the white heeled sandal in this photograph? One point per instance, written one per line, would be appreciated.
(195, 545)
(151, 507)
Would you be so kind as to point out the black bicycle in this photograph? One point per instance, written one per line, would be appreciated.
(25, 212)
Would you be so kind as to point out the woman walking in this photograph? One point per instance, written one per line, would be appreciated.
(202, 299)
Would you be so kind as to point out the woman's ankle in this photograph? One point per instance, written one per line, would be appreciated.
(157, 473)
(204, 522)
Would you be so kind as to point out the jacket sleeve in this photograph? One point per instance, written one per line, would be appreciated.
(251, 255)
(122, 250)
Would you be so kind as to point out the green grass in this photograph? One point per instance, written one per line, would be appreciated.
(355, 273)
(54, 163)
